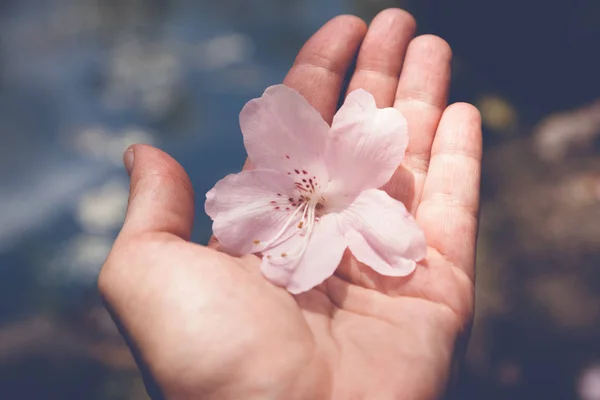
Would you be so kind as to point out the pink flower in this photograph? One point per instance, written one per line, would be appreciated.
(314, 190)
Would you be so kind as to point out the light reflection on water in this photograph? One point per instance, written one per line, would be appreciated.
(81, 82)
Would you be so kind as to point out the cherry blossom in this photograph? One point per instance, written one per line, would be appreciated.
(314, 190)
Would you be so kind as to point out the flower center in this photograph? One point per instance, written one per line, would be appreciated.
(311, 204)
(305, 228)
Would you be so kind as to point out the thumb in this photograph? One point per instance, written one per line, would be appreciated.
(161, 198)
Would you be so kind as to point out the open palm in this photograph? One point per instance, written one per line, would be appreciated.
(206, 325)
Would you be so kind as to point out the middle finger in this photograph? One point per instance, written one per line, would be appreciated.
(381, 55)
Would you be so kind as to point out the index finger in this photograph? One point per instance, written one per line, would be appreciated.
(321, 64)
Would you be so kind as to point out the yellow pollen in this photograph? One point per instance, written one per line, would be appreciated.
(300, 224)
(283, 255)
(256, 241)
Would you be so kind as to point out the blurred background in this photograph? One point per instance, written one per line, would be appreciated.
(80, 80)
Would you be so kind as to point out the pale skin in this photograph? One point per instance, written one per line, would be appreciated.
(205, 325)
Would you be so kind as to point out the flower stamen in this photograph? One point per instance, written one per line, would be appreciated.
(310, 217)
(271, 243)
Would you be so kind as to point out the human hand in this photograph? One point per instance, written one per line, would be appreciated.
(206, 325)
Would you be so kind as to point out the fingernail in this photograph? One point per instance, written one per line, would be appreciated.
(128, 160)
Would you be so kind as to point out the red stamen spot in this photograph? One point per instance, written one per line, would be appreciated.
(304, 172)
(287, 209)
(293, 204)
(304, 180)
(278, 194)
(273, 202)
(277, 208)
(286, 156)
(291, 200)
(296, 171)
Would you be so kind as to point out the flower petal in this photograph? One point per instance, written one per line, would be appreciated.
(282, 131)
(382, 234)
(367, 144)
(251, 208)
(322, 256)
